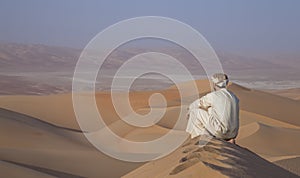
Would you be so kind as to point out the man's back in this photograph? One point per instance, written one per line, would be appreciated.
(224, 107)
(216, 113)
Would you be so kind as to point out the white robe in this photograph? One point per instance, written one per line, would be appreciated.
(220, 120)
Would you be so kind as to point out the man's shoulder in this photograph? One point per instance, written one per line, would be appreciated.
(224, 90)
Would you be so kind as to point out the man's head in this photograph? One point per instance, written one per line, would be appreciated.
(219, 80)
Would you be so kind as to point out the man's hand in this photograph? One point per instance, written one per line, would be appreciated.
(204, 108)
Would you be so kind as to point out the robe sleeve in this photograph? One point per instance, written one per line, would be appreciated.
(195, 105)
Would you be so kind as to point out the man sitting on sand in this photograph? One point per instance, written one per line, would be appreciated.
(215, 114)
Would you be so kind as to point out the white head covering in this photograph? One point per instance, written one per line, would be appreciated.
(220, 80)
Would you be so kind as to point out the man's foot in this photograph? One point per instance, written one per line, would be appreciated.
(231, 141)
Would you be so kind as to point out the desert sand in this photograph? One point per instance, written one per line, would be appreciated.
(40, 137)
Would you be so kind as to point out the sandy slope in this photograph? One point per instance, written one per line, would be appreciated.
(40, 137)
(8, 169)
(216, 159)
(32, 144)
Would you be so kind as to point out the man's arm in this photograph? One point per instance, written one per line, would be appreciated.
(202, 103)
(205, 102)
(194, 105)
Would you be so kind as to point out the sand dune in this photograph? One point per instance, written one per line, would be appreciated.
(286, 141)
(8, 169)
(291, 164)
(276, 107)
(292, 93)
(27, 142)
(250, 117)
(55, 109)
(40, 137)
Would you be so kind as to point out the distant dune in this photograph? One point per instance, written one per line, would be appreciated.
(35, 69)
(40, 137)
(293, 93)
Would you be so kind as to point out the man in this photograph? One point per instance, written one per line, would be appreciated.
(216, 113)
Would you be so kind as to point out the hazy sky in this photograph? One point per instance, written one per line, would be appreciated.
(234, 25)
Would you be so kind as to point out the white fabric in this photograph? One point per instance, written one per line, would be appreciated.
(215, 80)
(220, 80)
(221, 119)
(222, 84)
